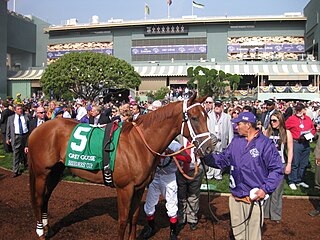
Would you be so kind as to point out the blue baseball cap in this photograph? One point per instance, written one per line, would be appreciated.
(245, 117)
(58, 111)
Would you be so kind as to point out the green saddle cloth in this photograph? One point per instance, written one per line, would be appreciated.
(85, 147)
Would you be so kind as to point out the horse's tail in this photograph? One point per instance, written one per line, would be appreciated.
(32, 181)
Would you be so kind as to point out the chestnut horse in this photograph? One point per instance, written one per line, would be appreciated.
(134, 166)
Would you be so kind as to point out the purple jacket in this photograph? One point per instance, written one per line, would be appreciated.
(256, 165)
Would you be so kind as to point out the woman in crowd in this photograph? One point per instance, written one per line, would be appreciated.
(52, 106)
(126, 116)
(283, 141)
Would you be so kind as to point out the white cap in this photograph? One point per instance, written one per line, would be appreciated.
(156, 104)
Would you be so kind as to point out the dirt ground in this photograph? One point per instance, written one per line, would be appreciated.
(82, 211)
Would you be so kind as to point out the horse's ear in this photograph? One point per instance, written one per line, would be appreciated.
(192, 98)
(202, 99)
(198, 100)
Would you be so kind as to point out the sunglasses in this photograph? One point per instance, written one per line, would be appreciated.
(274, 120)
(208, 102)
(41, 112)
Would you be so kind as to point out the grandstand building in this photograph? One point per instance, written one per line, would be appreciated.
(277, 56)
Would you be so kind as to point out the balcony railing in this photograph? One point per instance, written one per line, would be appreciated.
(288, 89)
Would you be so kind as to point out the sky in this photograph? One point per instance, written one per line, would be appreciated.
(58, 11)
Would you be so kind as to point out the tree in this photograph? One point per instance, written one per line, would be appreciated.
(212, 82)
(88, 74)
(159, 94)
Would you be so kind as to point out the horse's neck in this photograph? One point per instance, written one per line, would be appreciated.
(161, 133)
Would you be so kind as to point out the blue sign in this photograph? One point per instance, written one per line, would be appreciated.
(169, 49)
(58, 54)
(295, 48)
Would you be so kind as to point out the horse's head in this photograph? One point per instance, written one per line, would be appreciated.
(195, 126)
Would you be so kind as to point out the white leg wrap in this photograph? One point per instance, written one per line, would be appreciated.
(44, 219)
(39, 229)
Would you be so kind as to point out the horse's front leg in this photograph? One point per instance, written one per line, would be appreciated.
(124, 201)
(136, 200)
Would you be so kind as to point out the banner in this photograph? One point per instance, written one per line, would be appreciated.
(296, 88)
(147, 9)
(280, 89)
(197, 5)
(58, 54)
(237, 48)
(265, 89)
(169, 49)
(243, 92)
(312, 89)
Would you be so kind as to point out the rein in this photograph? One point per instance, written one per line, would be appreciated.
(154, 152)
(168, 155)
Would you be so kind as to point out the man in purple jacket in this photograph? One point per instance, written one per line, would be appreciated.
(255, 171)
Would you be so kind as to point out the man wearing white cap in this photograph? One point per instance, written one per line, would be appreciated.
(80, 110)
(219, 124)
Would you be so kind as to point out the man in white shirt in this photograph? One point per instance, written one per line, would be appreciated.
(81, 111)
(219, 124)
(66, 114)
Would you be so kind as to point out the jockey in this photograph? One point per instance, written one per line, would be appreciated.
(164, 183)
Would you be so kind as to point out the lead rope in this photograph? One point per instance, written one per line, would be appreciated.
(154, 152)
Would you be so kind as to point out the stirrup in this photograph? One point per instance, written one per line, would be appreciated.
(107, 176)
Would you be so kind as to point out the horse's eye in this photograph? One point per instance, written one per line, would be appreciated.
(195, 119)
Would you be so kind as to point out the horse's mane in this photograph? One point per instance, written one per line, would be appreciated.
(159, 115)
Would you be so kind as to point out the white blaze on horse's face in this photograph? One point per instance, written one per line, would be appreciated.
(197, 126)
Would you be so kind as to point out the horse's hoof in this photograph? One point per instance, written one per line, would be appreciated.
(48, 231)
(43, 237)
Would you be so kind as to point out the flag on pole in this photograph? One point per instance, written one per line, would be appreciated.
(197, 5)
(169, 2)
(147, 9)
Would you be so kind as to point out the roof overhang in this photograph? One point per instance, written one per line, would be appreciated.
(26, 75)
(241, 69)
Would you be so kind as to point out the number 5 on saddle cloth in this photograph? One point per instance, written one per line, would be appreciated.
(94, 148)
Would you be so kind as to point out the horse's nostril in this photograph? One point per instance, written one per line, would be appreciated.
(208, 150)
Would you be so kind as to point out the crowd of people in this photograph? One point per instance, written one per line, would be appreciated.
(257, 142)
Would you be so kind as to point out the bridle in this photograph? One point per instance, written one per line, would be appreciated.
(194, 143)
(185, 119)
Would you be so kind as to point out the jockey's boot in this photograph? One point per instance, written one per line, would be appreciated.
(149, 230)
(173, 231)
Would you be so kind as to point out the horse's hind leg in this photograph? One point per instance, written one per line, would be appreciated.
(37, 192)
(52, 181)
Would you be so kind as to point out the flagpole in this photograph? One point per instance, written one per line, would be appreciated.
(192, 8)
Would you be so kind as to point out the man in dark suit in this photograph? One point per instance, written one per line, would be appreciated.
(288, 112)
(271, 108)
(6, 112)
(38, 120)
(98, 117)
(17, 135)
